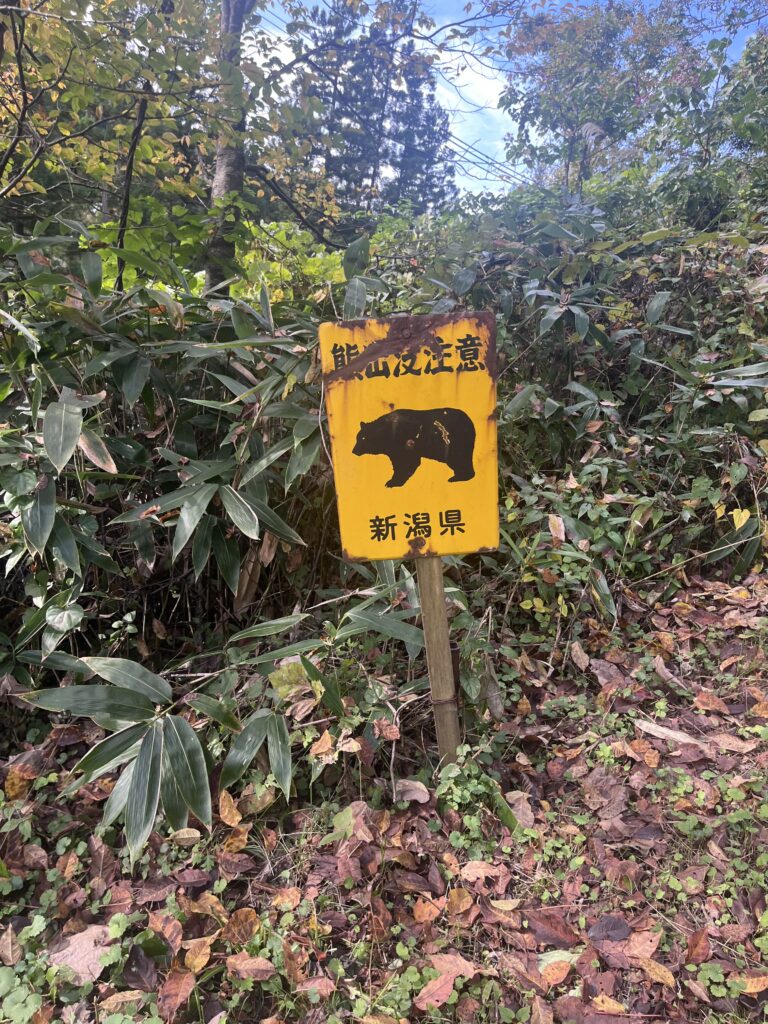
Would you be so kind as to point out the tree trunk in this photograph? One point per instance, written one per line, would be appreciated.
(229, 172)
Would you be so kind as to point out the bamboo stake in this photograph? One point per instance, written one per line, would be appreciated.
(429, 571)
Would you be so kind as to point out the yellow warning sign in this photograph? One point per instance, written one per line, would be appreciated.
(412, 417)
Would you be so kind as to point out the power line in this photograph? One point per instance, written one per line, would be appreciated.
(464, 151)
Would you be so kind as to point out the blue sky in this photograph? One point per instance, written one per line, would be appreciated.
(470, 93)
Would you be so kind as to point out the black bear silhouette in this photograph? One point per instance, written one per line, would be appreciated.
(409, 435)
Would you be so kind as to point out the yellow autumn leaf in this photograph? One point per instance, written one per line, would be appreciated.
(198, 953)
(752, 986)
(739, 517)
(557, 529)
(719, 510)
(656, 972)
(604, 1004)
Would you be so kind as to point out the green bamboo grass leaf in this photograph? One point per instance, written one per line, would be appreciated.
(331, 695)
(174, 806)
(463, 280)
(356, 256)
(656, 306)
(213, 708)
(163, 503)
(95, 450)
(300, 647)
(279, 743)
(118, 798)
(580, 321)
(270, 628)
(302, 458)
(90, 263)
(240, 511)
(62, 425)
(387, 625)
(38, 518)
(33, 340)
(601, 595)
(187, 761)
(355, 298)
(201, 544)
(64, 546)
(110, 749)
(144, 791)
(550, 318)
(244, 748)
(189, 516)
(272, 521)
(131, 675)
(88, 701)
(227, 555)
(266, 460)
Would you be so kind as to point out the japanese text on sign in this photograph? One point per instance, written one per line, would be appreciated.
(411, 412)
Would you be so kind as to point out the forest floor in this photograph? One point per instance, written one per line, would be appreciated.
(633, 887)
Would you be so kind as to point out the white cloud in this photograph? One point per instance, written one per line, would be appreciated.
(471, 97)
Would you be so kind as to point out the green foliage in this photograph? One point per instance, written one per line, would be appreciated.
(167, 512)
(381, 139)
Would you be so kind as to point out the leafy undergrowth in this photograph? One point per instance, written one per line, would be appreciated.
(600, 857)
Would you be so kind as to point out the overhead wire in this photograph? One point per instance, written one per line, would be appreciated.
(467, 153)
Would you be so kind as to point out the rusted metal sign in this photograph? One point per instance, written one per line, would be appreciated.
(412, 416)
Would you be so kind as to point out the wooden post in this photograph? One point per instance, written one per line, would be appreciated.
(434, 618)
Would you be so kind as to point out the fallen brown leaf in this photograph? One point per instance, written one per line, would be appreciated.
(557, 530)
(541, 1012)
(119, 1001)
(435, 992)
(323, 746)
(579, 656)
(656, 972)
(287, 899)
(699, 948)
(174, 993)
(453, 963)
(604, 1004)
(753, 984)
(10, 949)
(458, 901)
(411, 791)
(295, 962)
(551, 929)
(725, 741)
(237, 839)
(241, 927)
(662, 732)
(198, 953)
(385, 730)
(451, 966)
(168, 928)
(244, 966)
(82, 953)
(321, 986)
(206, 904)
(426, 910)
(140, 971)
(556, 972)
(706, 700)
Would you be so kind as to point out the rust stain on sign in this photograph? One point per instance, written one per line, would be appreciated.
(404, 334)
(412, 417)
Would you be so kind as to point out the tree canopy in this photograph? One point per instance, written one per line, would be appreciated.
(220, 793)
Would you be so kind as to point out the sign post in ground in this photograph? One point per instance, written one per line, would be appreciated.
(412, 417)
